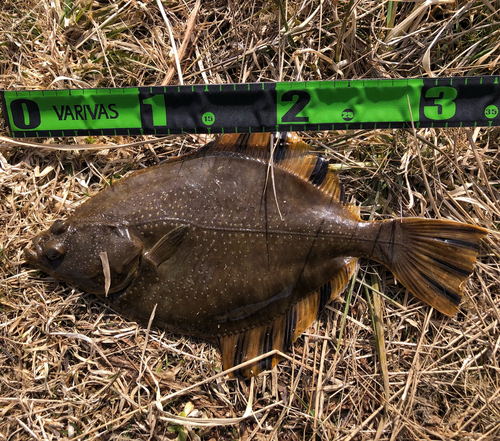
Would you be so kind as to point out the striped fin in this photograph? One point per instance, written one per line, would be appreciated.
(432, 258)
(282, 331)
(287, 151)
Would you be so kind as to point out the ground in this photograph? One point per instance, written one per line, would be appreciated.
(73, 369)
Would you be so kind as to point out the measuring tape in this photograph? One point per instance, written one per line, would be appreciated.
(255, 107)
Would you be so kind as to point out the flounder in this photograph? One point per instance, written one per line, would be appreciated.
(243, 243)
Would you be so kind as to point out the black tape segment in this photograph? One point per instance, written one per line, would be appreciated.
(255, 107)
(460, 102)
(231, 108)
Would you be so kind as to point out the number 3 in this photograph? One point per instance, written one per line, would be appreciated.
(443, 107)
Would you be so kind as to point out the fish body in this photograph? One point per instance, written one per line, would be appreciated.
(243, 243)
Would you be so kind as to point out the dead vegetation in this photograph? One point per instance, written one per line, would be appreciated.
(386, 368)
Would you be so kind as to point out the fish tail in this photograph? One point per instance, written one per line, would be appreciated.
(432, 258)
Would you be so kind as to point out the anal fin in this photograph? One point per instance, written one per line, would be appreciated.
(281, 332)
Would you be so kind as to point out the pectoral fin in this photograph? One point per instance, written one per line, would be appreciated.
(166, 247)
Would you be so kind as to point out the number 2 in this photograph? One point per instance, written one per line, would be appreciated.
(303, 99)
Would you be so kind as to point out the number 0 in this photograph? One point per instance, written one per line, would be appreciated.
(25, 114)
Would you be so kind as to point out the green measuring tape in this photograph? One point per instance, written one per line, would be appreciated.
(255, 107)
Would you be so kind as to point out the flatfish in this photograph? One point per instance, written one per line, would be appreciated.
(243, 243)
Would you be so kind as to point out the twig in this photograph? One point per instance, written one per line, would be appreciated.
(187, 37)
(172, 41)
(39, 145)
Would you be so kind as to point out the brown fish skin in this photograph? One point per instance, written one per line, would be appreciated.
(231, 244)
(226, 249)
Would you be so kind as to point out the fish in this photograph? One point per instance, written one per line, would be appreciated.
(243, 243)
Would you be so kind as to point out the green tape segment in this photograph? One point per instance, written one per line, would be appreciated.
(348, 102)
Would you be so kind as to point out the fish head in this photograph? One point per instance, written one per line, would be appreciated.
(73, 251)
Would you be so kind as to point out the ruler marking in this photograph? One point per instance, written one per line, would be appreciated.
(254, 107)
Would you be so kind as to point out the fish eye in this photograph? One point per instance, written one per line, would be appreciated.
(59, 227)
(53, 251)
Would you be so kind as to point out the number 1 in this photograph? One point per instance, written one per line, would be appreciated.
(157, 103)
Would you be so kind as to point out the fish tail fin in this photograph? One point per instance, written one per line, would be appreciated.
(432, 258)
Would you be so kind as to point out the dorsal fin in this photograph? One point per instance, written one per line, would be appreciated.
(281, 332)
(286, 151)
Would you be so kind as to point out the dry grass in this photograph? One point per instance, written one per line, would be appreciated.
(70, 368)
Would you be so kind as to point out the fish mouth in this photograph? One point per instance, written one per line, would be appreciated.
(30, 255)
(33, 252)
